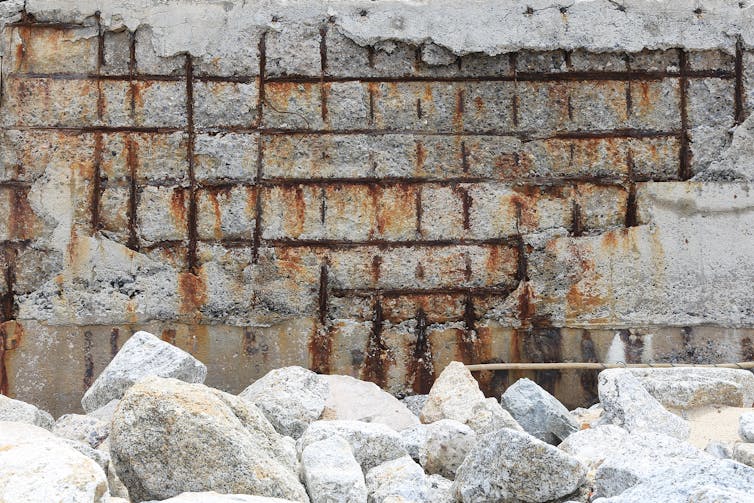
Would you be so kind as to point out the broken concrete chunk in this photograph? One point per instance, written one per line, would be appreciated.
(356, 400)
(489, 416)
(371, 443)
(415, 403)
(511, 465)
(453, 395)
(628, 405)
(290, 398)
(538, 412)
(170, 437)
(744, 453)
(141, 356)
(592, 445)
(398, 480)
(331, 473)
(446, 445)
(105, 413)
(22, 412)
(746, 427)
(35, 465)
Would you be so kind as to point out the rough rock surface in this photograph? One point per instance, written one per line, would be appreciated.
(489, 416)
(592, 445)
(679, 482)
(290, 398)
(170, 437)
(105, 413)
(453, 395)
(371, 443)
(686, 387)
(331, 473)
(142, 355)
(627, 404)
(744, 453)
(88, 429)
(746, 427)
(16, 410)
(445, 447)
(440, 489)
(213, 497)
(401, 479)
(642, 456)
(539, 413)
(720, 450)
(415, 403)
(36, 466)
(356, 400)
(510, 465)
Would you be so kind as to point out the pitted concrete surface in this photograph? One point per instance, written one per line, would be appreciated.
(373, 188)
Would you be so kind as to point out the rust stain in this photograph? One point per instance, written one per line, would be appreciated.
(193, 294)
(421, 157)
(217, 228)
(320, 346)
(168, 335)
(376, 263)
(178, 207)
(378, 359)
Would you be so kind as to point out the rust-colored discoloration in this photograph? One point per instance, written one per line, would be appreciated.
(588, 378)
(178, 207)
(168, 335)
(436, 308)
(11, 335)
(192, 291)
(375, 270)
(420, 365)
(320, 350)
(395, 211)
(88, 359)
(114, 341)
(421, 157)
(378, 360)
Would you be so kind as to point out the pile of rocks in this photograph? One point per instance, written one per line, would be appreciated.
(153, 432)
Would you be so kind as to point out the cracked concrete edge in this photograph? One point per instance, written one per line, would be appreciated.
(206, 27)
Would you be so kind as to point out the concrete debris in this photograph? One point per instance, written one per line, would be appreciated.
(746, 427)
(539, 413)
(16, 410)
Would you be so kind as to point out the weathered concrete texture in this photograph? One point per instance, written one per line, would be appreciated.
(373, 188)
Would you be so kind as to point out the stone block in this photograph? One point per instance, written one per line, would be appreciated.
(656, 159)
(396, 217)
(25, 155)
(442, 214)
(18, 222)
(476, 64)
(48, 50)
(655, 61)
(157, 158)
(149, 62)
(347, 105)
(585, 61)
(117, 53)
(293, 50)
(225, 104)
(292, 212)
(114, 213)
(351, 212)
(601, 207)
(144, 103)
(420, 106)
(655, 105)
(226, 157)
(162, 214)
(541, 62)
(488, 106)
(596, 105)
(715, 60)
(226, 213)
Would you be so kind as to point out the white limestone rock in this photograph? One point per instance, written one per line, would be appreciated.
(640, 457)
(440, 489)
(414, 438)
(712, 494)
(37, 466)
(446, 446)
(680, 483)
(169, 437)
(453, 395)
(744, 453)
(627, 404)
(87, 429)
(355, 400)
(331, 473)
(22, 412)
(720, 450)
(510, 465)
(746, 426)
(687, 387)
(213, 497)
(141, 356)
(290, 398)
(488, 416)
(539, 413)
(592, 445)
(105, 413)
(372, 443)
(398, 480)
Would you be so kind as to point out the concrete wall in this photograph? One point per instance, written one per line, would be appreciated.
(373, 188)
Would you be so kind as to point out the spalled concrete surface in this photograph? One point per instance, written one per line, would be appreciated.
(373, 188)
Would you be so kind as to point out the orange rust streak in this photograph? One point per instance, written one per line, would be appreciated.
(192, 292)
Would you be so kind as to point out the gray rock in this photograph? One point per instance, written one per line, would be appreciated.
(746, 426)
(446, 446)
(744, 453)
(640, 457)
(398, 480)
(37, 466)
(720, 450)
(679, 483)
(592, 445)
(510, 465)
(290, 398)
(415, 403)
(22, 412)
(489, 416)
(102, 458)
(141, 356)
(372, 443)
(213, 497)
(685, 387)
(331, 473)
(169, 437)
(539, 413)
(628, 405)
(453, 395)
(356, 400)
(87, 429)
(440, 489)
(414, 438)
(712, 494)
(105, 413)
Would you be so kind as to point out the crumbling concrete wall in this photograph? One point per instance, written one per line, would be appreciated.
(373, 188)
